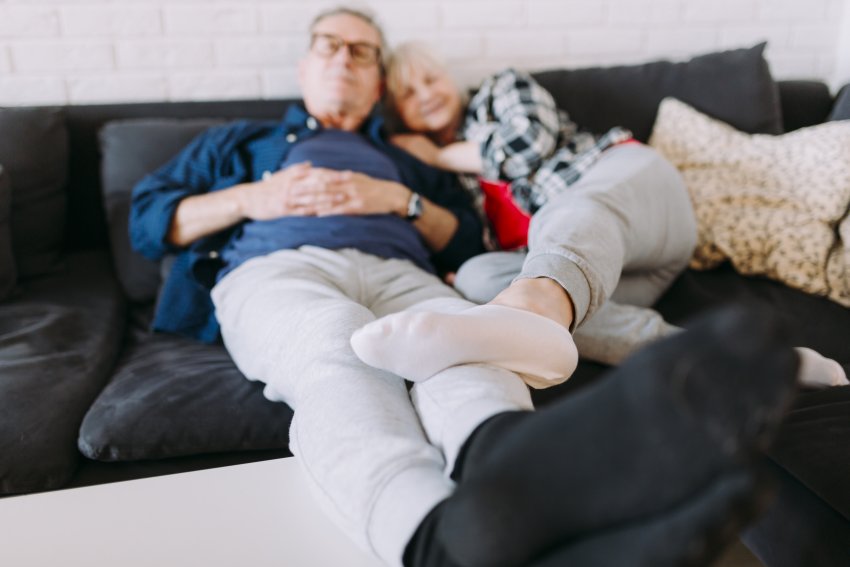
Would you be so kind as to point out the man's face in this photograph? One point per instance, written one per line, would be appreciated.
(336, 83)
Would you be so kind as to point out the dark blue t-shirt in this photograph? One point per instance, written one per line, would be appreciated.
(387, 235)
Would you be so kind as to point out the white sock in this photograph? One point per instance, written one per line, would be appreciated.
(418, 344)
(817, 371)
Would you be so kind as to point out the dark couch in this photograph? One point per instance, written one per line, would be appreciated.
(88, 395)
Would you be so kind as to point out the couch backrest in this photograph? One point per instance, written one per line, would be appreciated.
(86, 226)
(808, 102)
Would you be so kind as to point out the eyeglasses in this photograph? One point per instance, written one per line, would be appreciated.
(362, 53)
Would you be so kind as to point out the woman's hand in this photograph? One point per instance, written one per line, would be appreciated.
(418, 146)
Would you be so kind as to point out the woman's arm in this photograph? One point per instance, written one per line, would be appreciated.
(459, 157)
(516, 122)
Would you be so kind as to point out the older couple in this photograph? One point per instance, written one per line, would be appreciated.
(302, 243)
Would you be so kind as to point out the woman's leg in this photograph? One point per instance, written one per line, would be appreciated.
(483, 277)
(614, 332)
(630, 212)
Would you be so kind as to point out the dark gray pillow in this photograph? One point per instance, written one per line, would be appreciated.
(34, 148)
(131, 149)
(171, 396)
(733, 86)
(841, 108)
(8, 272)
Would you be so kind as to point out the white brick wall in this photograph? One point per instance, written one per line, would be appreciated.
(86, 51)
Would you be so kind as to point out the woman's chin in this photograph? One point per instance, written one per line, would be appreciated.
(438, 122)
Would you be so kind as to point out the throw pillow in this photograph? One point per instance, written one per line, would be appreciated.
(170, 397)
(734, 86)
(8, 273)
(772, 205)
(34, 149)
(131, 149)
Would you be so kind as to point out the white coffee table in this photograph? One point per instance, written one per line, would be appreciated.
(257, 515)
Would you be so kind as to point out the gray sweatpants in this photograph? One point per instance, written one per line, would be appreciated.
(375, 455)
(615, 241)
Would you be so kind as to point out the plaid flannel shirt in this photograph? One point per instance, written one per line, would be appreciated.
(526, 140)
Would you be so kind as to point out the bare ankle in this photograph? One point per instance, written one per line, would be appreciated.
(542, 296)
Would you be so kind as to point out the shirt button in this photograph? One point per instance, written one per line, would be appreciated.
(311, 123)
(499, 155)
(291, 138)
(266, 175)
(212, 255)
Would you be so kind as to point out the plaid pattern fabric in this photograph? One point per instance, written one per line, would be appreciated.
(526, 140)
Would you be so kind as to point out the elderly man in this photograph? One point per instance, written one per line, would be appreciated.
(311, 228)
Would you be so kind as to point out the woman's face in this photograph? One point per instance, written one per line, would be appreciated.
(429, 102)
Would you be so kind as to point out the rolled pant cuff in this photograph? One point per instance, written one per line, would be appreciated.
(402, 505)
(567, 273)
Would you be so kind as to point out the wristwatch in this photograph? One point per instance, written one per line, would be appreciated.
(414, 206)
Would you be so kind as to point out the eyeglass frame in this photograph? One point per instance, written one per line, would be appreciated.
(350, 45)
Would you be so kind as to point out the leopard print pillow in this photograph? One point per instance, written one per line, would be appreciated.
(773, 205)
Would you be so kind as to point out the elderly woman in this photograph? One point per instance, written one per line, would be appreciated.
(593, 230)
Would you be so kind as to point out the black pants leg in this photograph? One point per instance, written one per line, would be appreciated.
(657, 432)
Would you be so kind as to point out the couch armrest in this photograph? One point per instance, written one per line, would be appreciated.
(804, 103)
(841, 108)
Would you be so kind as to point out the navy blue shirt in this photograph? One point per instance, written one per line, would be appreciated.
(386, 235)
(241, 152)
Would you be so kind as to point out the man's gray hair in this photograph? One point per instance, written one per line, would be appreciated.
(360, 13)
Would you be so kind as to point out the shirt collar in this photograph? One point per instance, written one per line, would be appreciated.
(296, 119)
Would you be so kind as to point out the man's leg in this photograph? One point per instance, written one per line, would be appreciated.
(694, 532)
(664, 434)
(286, 320)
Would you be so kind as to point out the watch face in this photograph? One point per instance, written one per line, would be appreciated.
(414, 207)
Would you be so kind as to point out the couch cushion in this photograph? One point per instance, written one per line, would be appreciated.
(734, 86)
(772, 205)
(8, 273)
(812, 442)
(58, 342)
(171, 397)
(841, 108)
(34, 148)
(132, 149)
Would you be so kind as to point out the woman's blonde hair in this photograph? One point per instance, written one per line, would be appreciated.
(402, 60)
